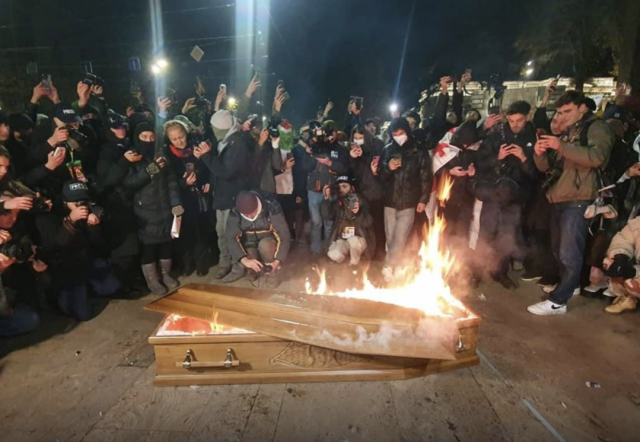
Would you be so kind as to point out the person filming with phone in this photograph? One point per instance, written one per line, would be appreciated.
(572, 164)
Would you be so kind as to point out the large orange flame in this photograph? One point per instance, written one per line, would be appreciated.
(426, 290)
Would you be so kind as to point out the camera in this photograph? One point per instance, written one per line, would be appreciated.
(74, 134)
(274, 132)
(92, 79)
(21, 251)
(94, 209)
(351, 201)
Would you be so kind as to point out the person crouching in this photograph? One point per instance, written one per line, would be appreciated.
(351, 236)
(257, 236)
(621, 265)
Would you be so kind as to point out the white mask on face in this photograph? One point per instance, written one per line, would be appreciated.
(401, 139)
(359, 142)
(275, 143)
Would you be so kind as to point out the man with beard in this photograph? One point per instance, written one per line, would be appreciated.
(505, 172)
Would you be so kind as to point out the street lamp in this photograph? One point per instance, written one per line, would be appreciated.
(231, 101)
(159, 66)
(530, 63)
(393, 108)
(528, 72)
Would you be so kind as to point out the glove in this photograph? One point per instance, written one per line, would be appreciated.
(153, 169)
(177, 211)
(622, 267)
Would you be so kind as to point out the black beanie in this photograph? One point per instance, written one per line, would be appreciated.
(465, 135)
(4, 118)
(399, 123)
(20, 122)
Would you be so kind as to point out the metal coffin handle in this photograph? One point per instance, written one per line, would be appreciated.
(190, 362)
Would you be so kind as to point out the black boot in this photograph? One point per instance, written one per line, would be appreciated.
(505, 281)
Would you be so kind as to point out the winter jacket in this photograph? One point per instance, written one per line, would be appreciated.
(119, 226)
(577, 161)
(156, 193)
(337, 210)
(409, 185)
(490, 169)
(627, 242)
(269, 224)
(367, 184)
(231, 171)
(194, 200)
(268, 164)
(300, 175)
(319, 174)
(69, 248)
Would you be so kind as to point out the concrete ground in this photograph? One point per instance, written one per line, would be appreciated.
(92, 382)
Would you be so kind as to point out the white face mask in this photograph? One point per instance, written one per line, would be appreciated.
(359, 142)
(401, 139)
(275, 143)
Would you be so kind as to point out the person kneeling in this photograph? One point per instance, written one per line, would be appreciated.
(621, 266)
(73, 246)
(257, 236)
(351, 235)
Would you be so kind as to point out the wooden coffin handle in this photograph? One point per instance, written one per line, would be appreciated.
(190, 363)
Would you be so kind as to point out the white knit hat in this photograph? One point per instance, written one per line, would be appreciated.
(222, 120)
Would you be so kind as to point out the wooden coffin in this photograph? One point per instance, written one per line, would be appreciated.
(272, 353)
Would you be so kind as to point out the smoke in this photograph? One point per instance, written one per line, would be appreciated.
(431, 338)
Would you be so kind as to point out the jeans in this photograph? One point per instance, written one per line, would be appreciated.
(222, 216)
(74, 300)
(315, 200)
(569, 235)
(397, 227)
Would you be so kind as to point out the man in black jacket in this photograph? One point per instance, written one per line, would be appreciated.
(406, 175)
(257, 237)
(231, 172)
(505, 174)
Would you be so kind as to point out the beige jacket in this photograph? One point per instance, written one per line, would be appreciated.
(627, 242)
(578, 181)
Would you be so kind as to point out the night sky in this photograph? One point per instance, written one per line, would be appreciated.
(322, 49)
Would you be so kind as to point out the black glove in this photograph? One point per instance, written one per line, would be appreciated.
(622, 267)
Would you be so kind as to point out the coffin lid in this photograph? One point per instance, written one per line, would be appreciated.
(342, 324)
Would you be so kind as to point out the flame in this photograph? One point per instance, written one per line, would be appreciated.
(424, 290)
(444, 189)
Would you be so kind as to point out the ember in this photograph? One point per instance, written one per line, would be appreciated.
(425, 290)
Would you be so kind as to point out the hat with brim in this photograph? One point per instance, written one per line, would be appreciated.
(66, 113)
(74, 191)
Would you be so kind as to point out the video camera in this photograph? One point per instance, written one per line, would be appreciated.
(74, 134)
(21, 251)
(92, 79)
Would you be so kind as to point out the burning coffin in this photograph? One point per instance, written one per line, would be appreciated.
(229, 335)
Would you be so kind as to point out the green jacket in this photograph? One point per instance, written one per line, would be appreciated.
(581, 159)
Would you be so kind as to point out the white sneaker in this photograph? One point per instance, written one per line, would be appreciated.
(387, 273)
(547, 308)
(594, 288)
(609, 293)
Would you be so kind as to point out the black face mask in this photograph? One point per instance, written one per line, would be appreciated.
(146, 148)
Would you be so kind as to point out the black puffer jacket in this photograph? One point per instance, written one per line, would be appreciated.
(411, 184)
(270, 223)
(319, 174)
(194, 200)
(232, 171)
(156, 192)
(367, 184)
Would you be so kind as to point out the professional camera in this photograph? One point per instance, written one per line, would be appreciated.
(21, 251)
(74, 134)
(94, 209)
(274, 132)
(92, 79)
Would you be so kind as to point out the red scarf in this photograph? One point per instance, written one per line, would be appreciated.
(181, 153)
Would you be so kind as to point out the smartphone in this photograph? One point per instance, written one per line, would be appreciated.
(223, 87)
(358, 102)
(59, 150)
(540, 133)
(286, 96)
(468, 71)
(280, 84)
(46, 82)
(289, 155)
(191, 168)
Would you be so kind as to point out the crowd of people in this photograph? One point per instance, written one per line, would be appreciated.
(92, 202)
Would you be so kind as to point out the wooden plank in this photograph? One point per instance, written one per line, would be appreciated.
(74, 425)
(24, 436)
(103, 435)
(343, 324)
(355, 411)
(226, 414)
(445, 407)
(161, 409)
(265, 414)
